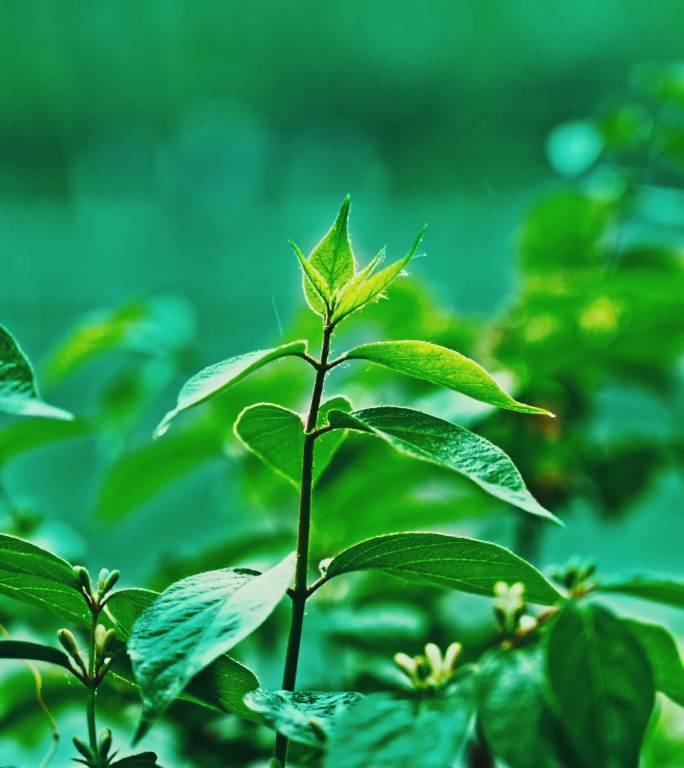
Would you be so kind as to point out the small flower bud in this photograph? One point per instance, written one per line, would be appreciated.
(102, 579)
(105, 743)
(111, 581)
(406, 663)
(83, 748)
(84, 578)
(451, 657)
(434, 658)
(68, 642)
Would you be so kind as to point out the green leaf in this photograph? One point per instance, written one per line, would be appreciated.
(139, 475)
(322, 298)
(366, 286)
(386, 732)
(602, 684)
(18, 387)
(18, 649)
(216, 378)
(305, 716)
(662, 652)
(195, 621)
(22, 436)
(276, 435)
(467, 565)
(143, 760)
(512, 701)
(221, 686)
(33, 575)
(333, 257)
(659, 588)
(431, 439)
(441, 366)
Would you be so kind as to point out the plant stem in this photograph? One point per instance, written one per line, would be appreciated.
(92, 688)
(300, 594)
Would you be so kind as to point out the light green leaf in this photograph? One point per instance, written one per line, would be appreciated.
(657, 587)
(366, 286)
(276, 435)
(216, 378)
(221, 686)
(512, 701)
(602, 684)
(33, 575)
(18, 387)
(305, 716)
(467, 565)
(386, 732)
(333, 257)
(441, 366)
(662, 652)
(19, 649)
(431, 439)
(195, 621)
(137, 476)
(322, 298)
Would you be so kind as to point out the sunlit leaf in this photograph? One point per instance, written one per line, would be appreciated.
(19, 649)
(195, 621)
(466, 565)
(386, 732)
(439, 442)
(304, 716)
(33, 575)
(216, 378)
(313, 279)
(220, 686)
(662, 652)
(367, 286)
(18, 387)
(602, 685)
(441, 366)
(657, 587)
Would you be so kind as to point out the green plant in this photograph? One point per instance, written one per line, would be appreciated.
(537, 672)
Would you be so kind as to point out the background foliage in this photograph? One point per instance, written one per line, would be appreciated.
(154, 160)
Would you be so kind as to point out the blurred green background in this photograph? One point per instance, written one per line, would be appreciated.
(164, 152)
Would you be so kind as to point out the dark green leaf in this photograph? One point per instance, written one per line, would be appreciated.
(195, 621)
(467, 565)
(143, 760)
(19, 649)
(276, 435)
(602, 684)
(512, 703)
(221, 686)
(18, 388)
(216, 378)
(139, 475)
(659, 588)
(426, 437)
(386, 732)
(441, 366)
(304, 716)
(33, 575)
(662, 652)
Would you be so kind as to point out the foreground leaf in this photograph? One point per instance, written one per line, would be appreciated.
(195, 621)
(36, 576)
(662, 652)
(143, 760)
(303, 716)
(467, 565)
(221, 686)
(19, 649)
(18, 388)
(602, 683)
(656, 587)
(366, 287)
(276, 435)
(426, 437)
(512, 701)
(386, 732)
(216, 378)
(441, 366)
